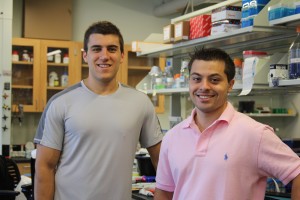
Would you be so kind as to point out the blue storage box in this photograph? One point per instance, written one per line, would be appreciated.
(263, 2)
(248, 21)
(280, 10)
(245, 10)
(254, 10)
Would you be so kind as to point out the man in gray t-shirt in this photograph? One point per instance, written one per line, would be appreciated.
(88, 133)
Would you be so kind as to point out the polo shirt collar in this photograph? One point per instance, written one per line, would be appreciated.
(227, 116)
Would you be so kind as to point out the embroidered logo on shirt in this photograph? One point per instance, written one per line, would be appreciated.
(225, 156)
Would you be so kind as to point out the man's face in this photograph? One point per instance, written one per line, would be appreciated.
(208, 86)
(103, 57)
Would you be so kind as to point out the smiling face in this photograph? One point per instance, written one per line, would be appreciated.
(104, 57)
(209, 86)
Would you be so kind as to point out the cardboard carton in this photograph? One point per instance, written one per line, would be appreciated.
(181, 31)
(168, 32)
(200, 26)
(226, 12)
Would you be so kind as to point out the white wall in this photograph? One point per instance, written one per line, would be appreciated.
(134, 17)
(5, 69)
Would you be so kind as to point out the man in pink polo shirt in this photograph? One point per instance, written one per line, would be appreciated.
(218, 153)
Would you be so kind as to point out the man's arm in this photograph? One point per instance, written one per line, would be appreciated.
(296, 188)
(154, 154)
(162, 195)
(45, 165)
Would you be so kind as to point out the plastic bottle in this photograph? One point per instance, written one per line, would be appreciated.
(66, 58)
(294, 57)
(57, 58)
(15, 56)
(64, 79)
(25, 55)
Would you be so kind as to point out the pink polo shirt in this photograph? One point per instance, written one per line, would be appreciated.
(230, 160)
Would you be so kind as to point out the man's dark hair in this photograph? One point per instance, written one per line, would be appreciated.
(210, 54)
(104, 28)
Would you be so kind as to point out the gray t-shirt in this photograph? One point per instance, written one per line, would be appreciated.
(98, 136)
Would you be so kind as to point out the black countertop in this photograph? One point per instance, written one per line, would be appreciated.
(137, 196)
(269, 196)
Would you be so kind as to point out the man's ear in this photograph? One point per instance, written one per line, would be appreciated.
(84, 54)
(230, 85)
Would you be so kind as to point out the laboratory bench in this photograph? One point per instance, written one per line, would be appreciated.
(269, 196)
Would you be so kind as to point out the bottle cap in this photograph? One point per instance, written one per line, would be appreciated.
(251, 53)
(176, 76)
(238, 62)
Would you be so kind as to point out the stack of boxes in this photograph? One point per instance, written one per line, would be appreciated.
(250, 8)
(221, 20)
(196, 27)
(225, 19)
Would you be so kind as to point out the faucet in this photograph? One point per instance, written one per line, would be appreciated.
(20, 113)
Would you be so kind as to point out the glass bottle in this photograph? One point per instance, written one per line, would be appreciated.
(154, 73)
(169, 77)
(184, 74)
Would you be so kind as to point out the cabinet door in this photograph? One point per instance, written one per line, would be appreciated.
(52, 70)
(138, 68)
(26, 75)
(84, 69)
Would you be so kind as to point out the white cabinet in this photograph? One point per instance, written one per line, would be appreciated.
(263, 36)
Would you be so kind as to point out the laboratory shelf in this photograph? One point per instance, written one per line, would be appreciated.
(292, 20)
